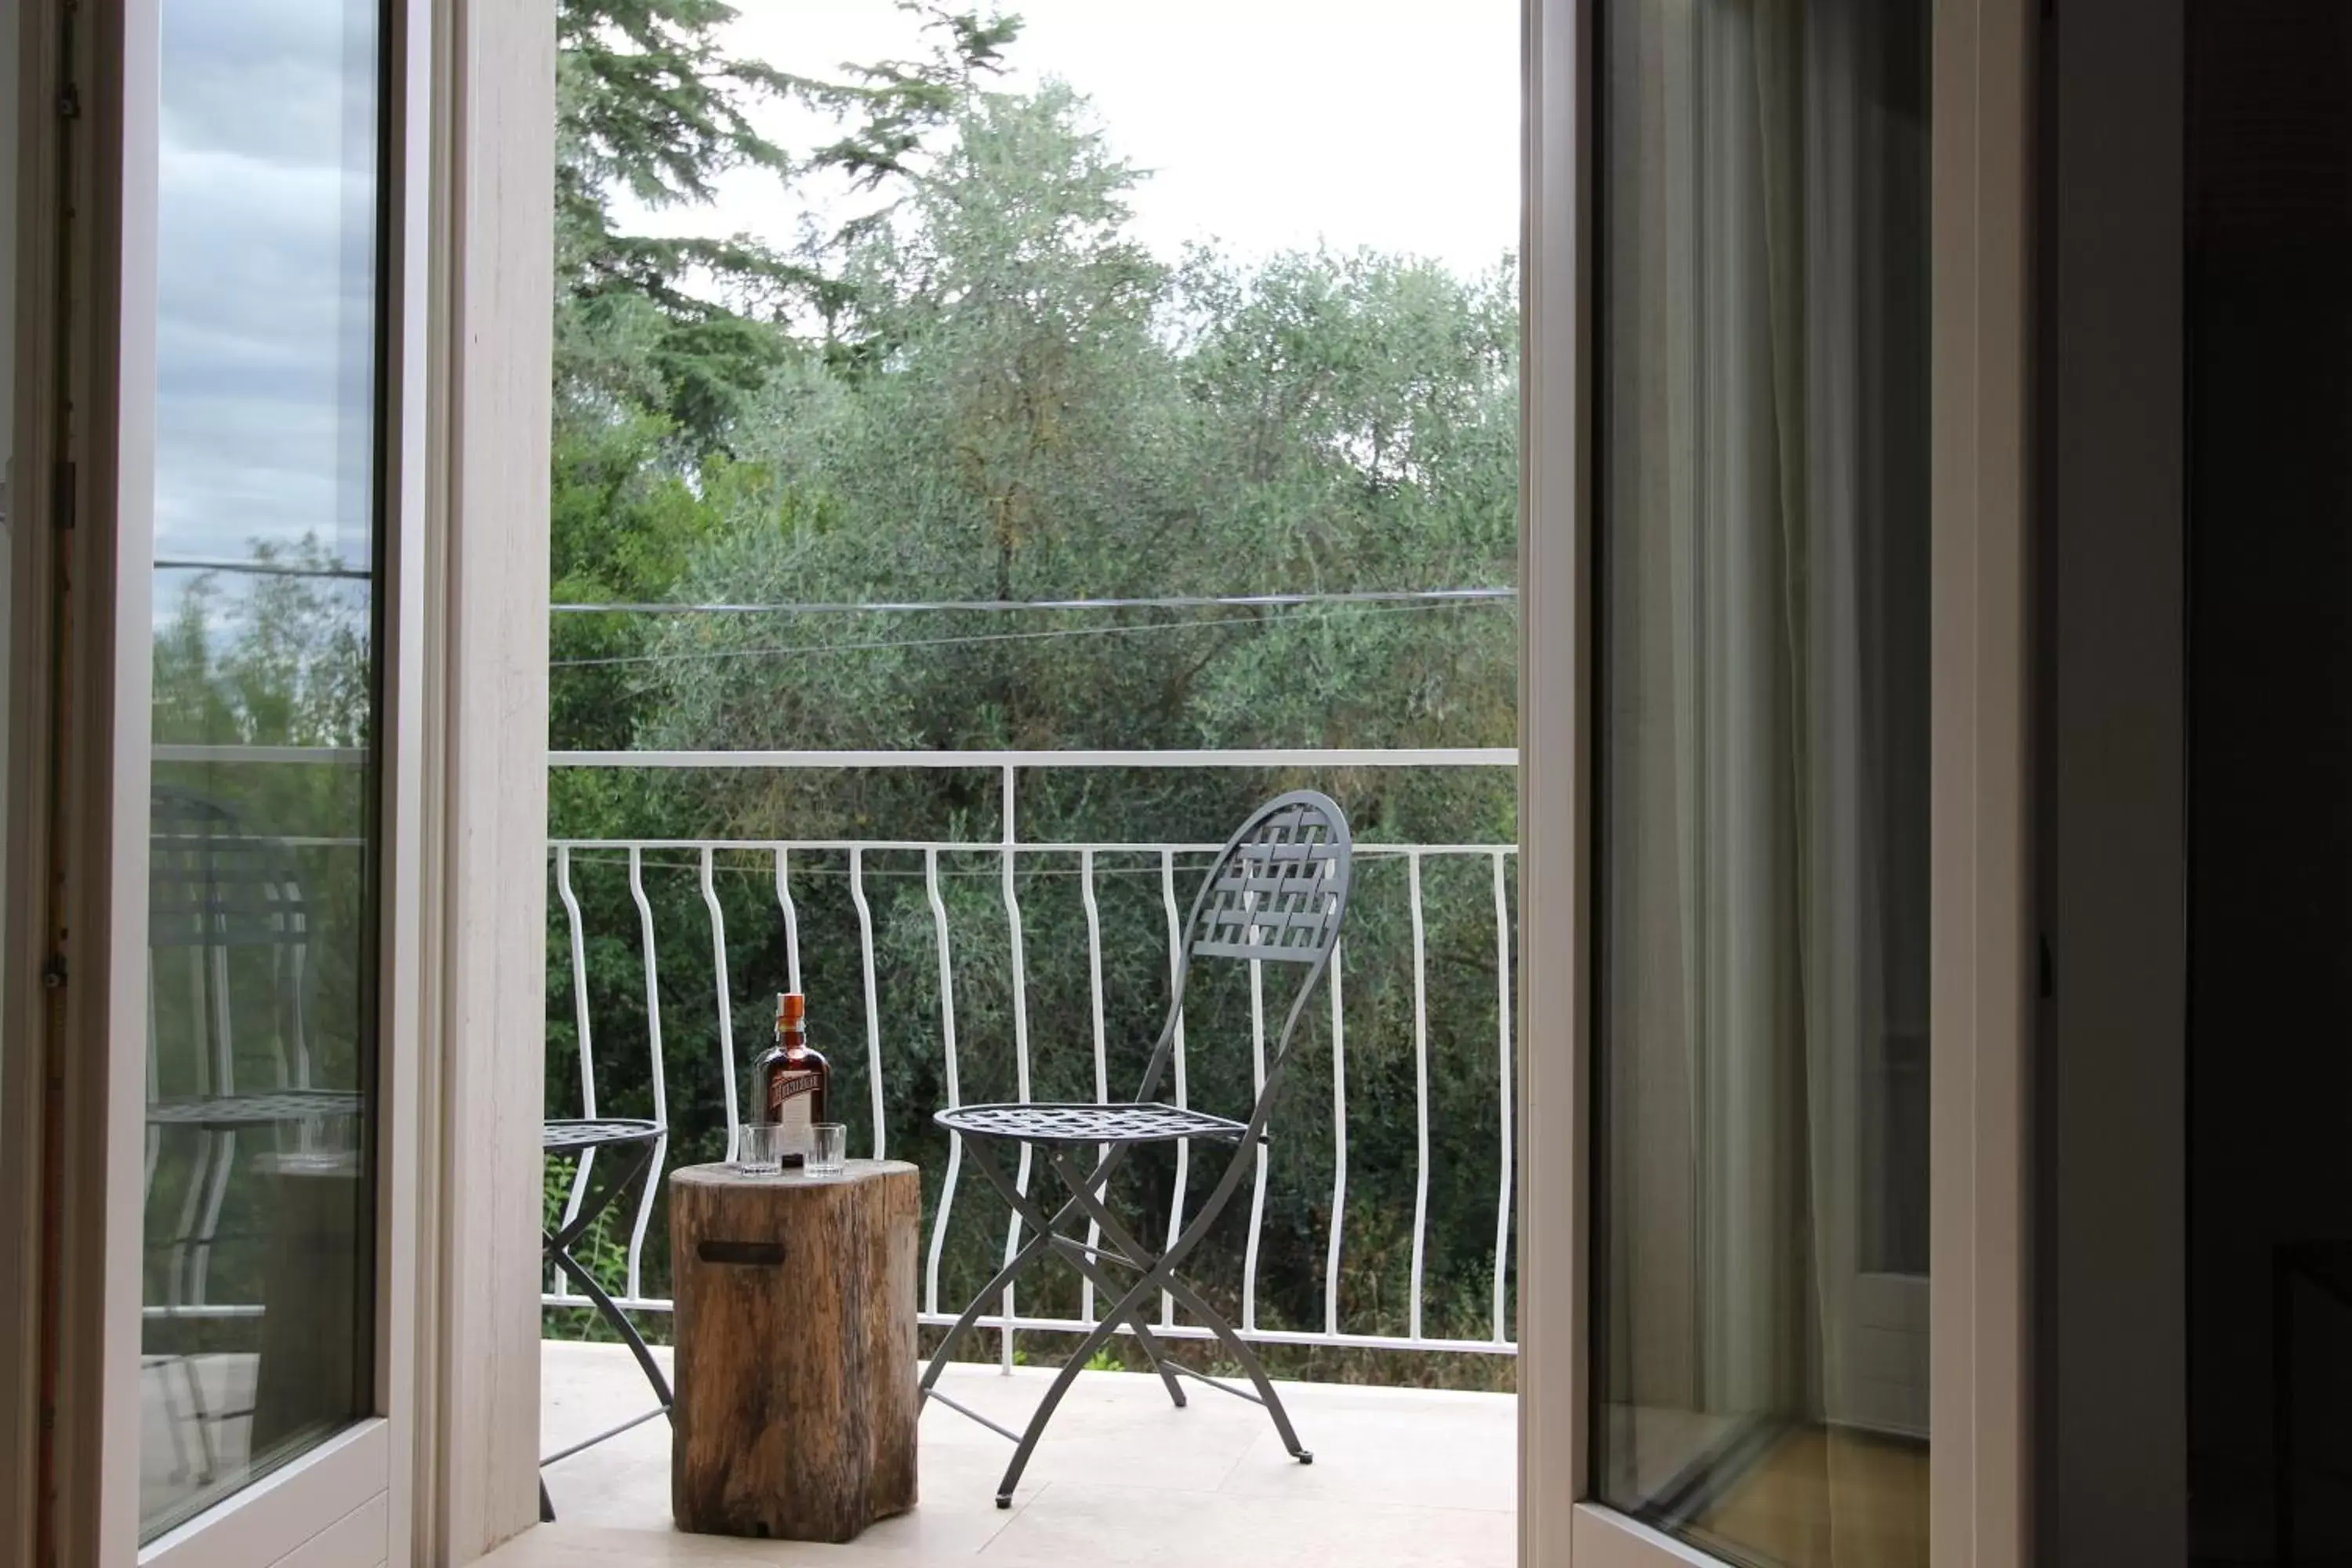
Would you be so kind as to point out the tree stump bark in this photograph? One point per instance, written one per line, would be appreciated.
(795, 1350)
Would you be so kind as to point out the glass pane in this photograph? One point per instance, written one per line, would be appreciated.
(259, 1326)
(1761, 1305)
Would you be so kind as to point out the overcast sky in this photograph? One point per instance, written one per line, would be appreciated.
(1266, 124)
(264, 280)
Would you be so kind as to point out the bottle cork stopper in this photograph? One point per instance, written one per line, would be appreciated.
(790, 1008)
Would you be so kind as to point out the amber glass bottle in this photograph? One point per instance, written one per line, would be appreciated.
(793, 1082)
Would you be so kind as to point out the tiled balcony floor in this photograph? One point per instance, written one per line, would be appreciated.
(1402, 1477)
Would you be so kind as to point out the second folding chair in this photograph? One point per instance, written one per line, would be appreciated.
(1275, 895)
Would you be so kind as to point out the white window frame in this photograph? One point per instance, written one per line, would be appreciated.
(458, 1354)
(340, 1502)
(445, 1468)
(1979, 1457)
(33, 146)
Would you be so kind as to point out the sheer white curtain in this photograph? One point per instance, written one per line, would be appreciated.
(1759, 483)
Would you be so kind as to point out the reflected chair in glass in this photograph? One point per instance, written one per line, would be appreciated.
(230, 923)
(1272, 899)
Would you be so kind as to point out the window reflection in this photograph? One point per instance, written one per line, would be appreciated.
(258, 1326)
(1759, 1299)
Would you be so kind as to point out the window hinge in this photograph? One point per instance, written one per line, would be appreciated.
(53, 973)
(69, 102)
(61, 495)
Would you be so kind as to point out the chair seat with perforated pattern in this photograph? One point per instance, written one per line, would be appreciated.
(1063, 1122)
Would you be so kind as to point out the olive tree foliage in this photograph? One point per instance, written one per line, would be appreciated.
(1060, 415)
(986, 388)
(660, 342)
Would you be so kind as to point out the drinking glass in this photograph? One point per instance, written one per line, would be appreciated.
(829, 1155)
(760, 1148)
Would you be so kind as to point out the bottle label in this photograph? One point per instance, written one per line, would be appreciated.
(792, 1105)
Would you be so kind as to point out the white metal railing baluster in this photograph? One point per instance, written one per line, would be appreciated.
(791, 919)
(1419, 1088)
(200, 1176)
(955, 1092)
(217, 1191)
(1020, 1056)
(1257, 1088)
(1006, 1319)
(651, 1184)
(1183, 1145)
(563, 891)
(279, 1058)
(1338, 1148)
(726, 1012)
(154, 1090)
(1102, 1070)
(297, 960)
(1505, 1103)
(873, 1010)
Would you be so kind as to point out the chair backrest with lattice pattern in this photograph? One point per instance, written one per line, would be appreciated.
(234, 903)
(1276, 893)
(1279, 888)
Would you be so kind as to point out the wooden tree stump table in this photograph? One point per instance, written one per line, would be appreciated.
(795, 1350)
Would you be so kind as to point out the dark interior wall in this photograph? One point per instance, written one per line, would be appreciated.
(2269, 323)
(2111, 868)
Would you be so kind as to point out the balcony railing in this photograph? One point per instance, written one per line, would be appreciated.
(785, 870)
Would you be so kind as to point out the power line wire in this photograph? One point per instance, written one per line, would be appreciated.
(1163, 602)
(673, 655)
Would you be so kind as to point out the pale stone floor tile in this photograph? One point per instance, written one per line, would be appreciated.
(1121, 1475)
(1391, 1452)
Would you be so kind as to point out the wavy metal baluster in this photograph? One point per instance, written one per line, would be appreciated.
(217, 1191)
(1257, 1088)
(1419, 1087)
(1020, 1060)
(726, 1012)
(1338, 1148)
(154, 1093)
(649, 1190)
(1102, 1070)
(1183, 1145)
(873, 1009)
(955, 1092)
(580, 1167)
(1505, 1103)
(791, 920)
(200, 1174)
(295, 957)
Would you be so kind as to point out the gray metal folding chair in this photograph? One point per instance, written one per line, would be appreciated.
(1276, 894)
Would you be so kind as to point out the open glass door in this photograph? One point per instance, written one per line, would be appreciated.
(250, 611)
(1761, 903)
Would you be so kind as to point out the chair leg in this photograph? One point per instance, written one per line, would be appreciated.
(556, 1247)
(1034, 1214)
(1239, 1347)
(1162, 1273)
(1155, 1351)
(1097, 1182)
(617, 1318)
(1062, 1379)
(992, 1291)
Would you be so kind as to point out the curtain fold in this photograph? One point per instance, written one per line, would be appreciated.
(1760, 774)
